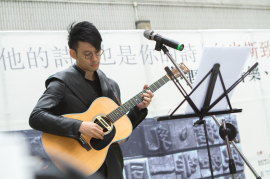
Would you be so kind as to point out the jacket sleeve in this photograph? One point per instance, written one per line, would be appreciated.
(43, 119)
(135, 115)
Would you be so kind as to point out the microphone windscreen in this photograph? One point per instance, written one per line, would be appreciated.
(147, 34)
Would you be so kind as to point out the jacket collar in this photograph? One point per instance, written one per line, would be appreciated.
(79, 70)
(102, 78)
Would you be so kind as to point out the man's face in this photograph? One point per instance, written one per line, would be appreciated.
(88, 65)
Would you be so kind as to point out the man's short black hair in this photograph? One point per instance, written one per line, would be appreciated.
(85, 32)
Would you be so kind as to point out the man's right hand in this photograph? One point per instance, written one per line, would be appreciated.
(91, 129)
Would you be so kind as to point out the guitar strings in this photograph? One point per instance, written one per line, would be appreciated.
(117, 113)
(114, 115)
(100, 124)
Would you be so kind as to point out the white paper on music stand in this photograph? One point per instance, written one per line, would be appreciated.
(232, 61)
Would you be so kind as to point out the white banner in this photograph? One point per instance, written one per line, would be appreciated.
(27, 59)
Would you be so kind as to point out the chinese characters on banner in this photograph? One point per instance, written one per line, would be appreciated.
(58, 57)
(35, 58)
(259, 49)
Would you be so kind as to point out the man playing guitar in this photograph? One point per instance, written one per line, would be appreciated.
(74, 90)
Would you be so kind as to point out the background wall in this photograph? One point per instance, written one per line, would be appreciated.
(122, 14)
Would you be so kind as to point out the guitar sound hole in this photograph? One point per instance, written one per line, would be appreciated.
(106, 119)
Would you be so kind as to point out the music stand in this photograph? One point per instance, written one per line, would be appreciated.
(207, 102)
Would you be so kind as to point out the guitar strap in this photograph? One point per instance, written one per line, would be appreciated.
(117, 100)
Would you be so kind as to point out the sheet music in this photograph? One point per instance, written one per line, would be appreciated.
(231, 60)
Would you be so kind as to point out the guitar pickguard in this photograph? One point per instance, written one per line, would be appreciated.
(99, 144)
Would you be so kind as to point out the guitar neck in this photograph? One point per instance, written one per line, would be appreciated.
(123, 109)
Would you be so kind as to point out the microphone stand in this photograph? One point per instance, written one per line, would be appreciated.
(228, 132)
(159, 46)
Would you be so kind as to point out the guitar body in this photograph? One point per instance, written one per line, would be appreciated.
(71, 151)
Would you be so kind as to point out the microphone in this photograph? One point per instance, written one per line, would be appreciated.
(151, 35)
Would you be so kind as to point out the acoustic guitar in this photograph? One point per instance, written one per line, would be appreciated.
(88, 154)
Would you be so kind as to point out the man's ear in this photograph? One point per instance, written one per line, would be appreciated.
(73, 54)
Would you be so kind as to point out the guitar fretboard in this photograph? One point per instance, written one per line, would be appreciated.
(123, 109)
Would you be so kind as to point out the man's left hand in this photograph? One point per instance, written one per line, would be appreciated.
(146, 98)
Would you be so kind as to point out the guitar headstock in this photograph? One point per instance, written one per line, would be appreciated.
(183, 67)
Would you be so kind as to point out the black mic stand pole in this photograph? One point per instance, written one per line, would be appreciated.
(165, 50)
(159, 47)
(239, 152)
(225, 133)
